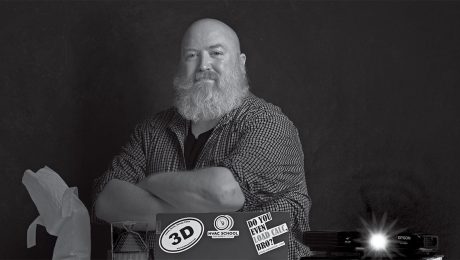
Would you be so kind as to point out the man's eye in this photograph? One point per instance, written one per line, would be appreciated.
(190, 56)
(217, 53)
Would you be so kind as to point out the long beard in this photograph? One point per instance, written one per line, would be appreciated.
(206, 100)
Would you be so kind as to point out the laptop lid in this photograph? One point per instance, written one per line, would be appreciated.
(216, 236)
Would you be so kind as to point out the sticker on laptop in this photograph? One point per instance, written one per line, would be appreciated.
(263, 236)
(181, 235)
(223, 225)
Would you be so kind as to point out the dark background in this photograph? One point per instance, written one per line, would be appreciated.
(372, 88)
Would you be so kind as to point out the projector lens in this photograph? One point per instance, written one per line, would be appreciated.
(378, 242)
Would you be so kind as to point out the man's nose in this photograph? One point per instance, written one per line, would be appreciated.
(205, 62)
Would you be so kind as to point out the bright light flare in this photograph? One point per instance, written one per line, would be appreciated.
(377, 236)
(378, 241)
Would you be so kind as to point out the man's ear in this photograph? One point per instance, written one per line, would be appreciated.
(243, 59)
(243, 62)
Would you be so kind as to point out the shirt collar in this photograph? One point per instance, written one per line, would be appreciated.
(230, 115)
(179, 125)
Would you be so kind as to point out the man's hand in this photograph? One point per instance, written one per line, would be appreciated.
(211, 189)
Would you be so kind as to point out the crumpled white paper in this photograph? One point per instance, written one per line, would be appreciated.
(61, 212)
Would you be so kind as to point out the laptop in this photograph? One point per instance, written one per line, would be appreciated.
(219, 236)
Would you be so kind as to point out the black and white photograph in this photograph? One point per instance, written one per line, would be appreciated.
(231, 130)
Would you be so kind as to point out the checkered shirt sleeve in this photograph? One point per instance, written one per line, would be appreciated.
(268, 164)
(129, 165)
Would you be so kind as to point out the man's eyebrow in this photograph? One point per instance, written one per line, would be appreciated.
(190, 49)
(215, 46)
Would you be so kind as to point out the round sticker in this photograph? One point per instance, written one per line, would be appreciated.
(181, 235)
(223, 222)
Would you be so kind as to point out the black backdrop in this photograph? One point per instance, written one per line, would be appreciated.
(372, 88)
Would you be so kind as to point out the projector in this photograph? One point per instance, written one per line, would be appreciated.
(416, 243)
(330, 241)
(353, 243)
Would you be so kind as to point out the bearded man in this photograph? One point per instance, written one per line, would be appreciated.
(220, 148)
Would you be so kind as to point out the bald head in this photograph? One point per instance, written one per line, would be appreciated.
(211, 45)
(211, 79)
(208, 32)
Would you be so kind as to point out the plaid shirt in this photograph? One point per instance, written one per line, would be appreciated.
(256, 141)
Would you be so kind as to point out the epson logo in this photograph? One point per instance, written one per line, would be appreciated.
(404, 237)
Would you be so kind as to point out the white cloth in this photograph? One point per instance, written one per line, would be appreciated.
(61, 212)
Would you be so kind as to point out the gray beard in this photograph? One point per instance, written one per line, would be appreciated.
(207, 101)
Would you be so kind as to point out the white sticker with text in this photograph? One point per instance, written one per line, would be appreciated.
(263, 236)
(223, 225)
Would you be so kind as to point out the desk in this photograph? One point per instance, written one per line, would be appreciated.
(434, 257)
